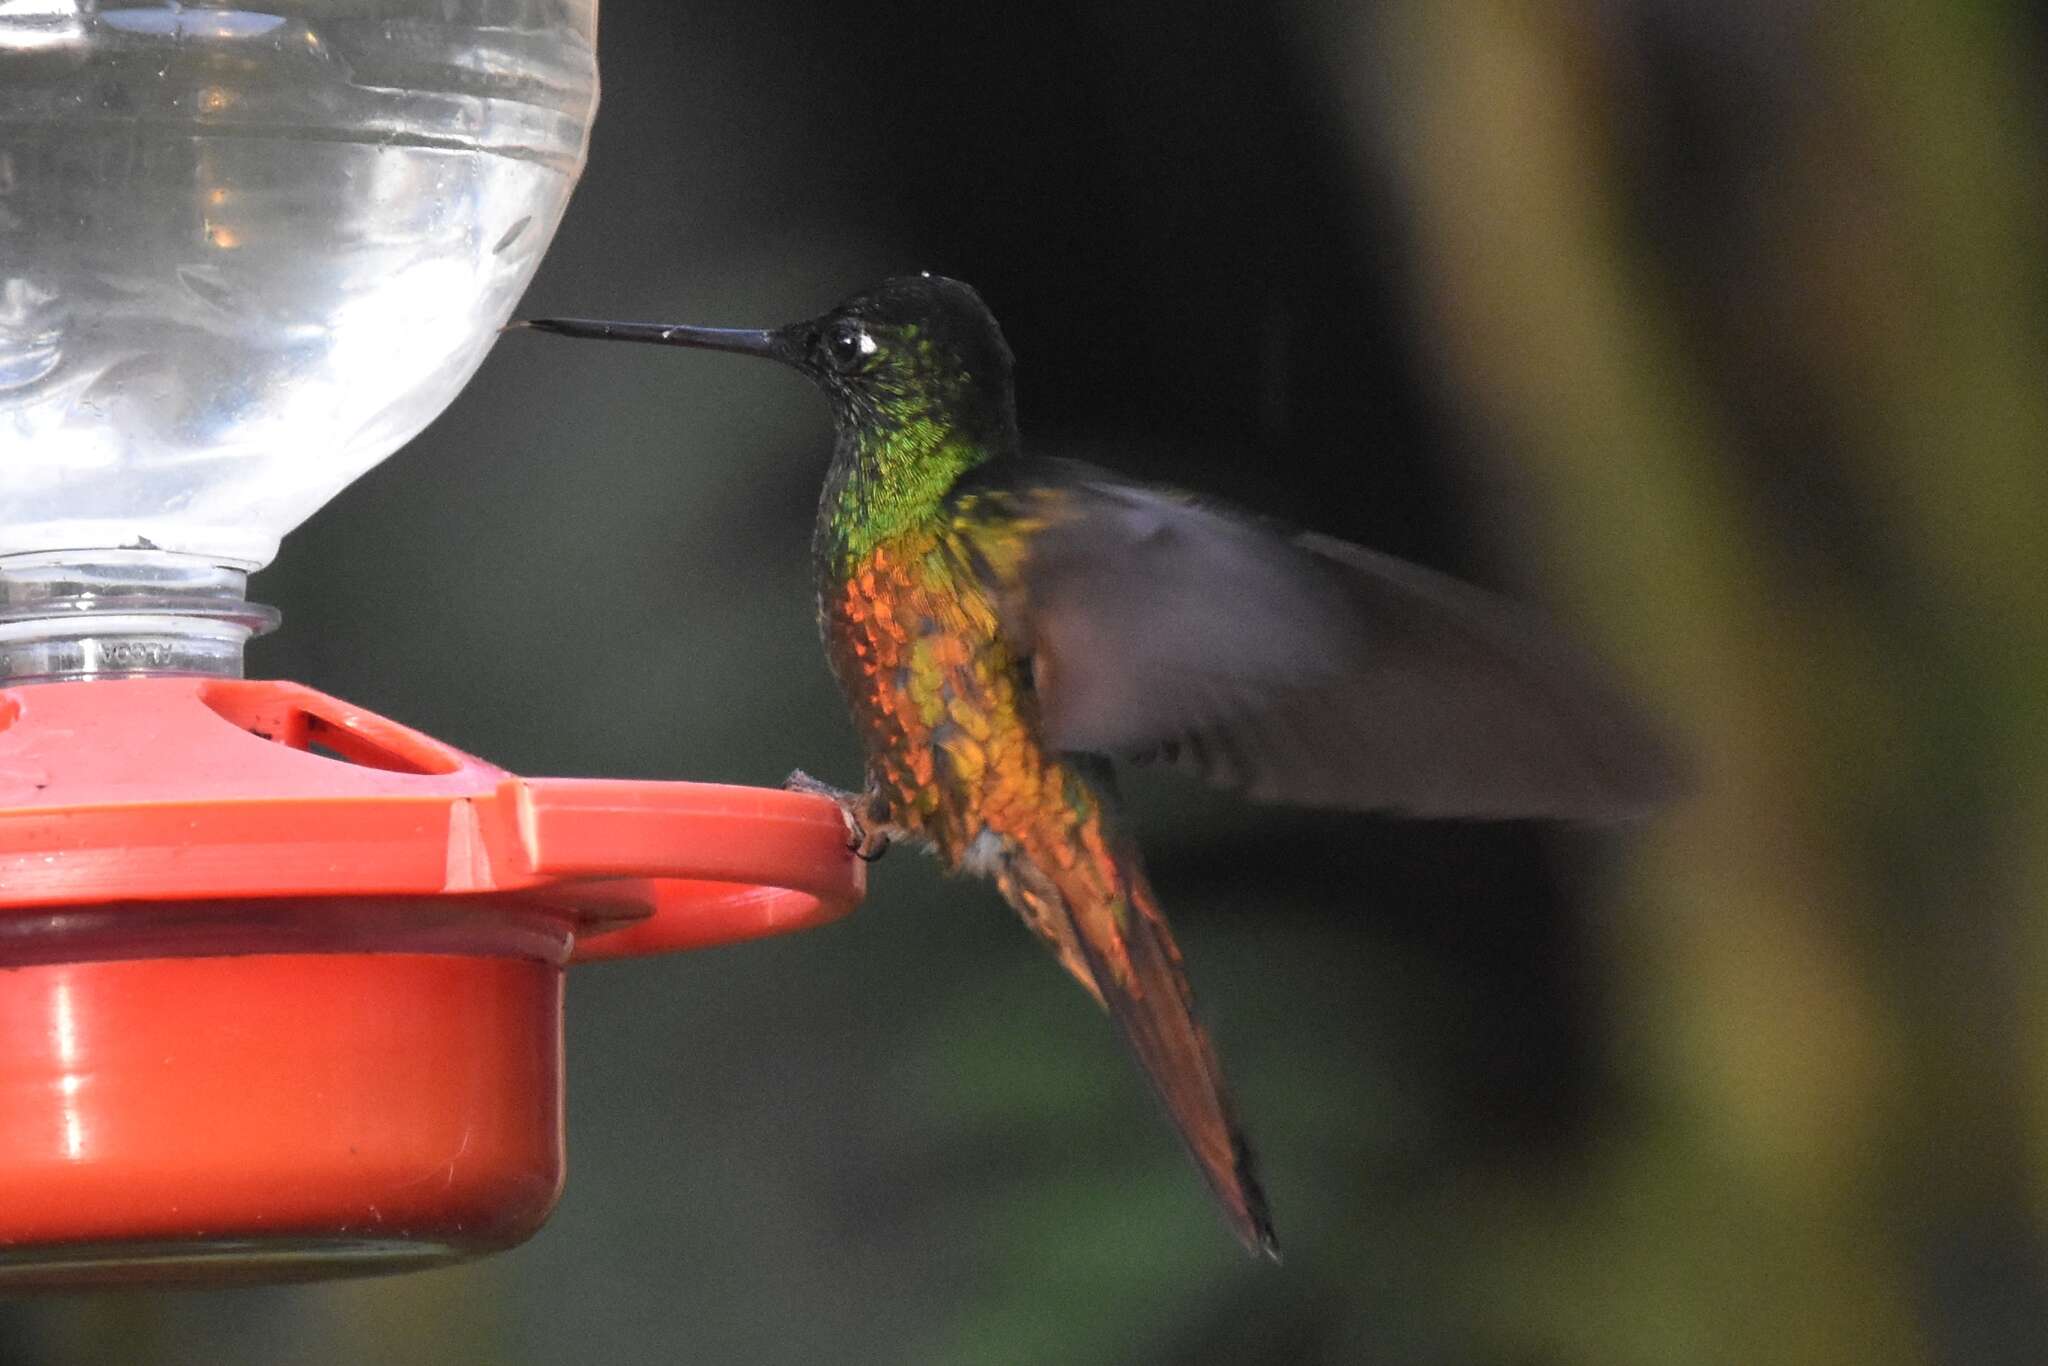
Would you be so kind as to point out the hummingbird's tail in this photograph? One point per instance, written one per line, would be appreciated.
(1099, 916)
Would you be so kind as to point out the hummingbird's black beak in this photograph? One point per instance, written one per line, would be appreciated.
(745, 341)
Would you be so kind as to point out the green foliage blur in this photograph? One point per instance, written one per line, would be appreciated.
(1717, 330)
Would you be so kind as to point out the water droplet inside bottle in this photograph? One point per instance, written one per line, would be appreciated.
(512, 234)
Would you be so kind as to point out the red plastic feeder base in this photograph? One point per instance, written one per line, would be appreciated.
(271, 1013)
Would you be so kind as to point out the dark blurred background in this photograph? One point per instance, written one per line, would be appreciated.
(1715, 330)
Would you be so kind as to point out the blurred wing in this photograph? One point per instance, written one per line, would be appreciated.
(1294, 668)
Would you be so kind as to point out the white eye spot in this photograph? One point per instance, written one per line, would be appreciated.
(847, 343)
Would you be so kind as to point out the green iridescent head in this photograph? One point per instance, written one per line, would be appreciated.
(916, 351)
(919, 378)
(914, 348)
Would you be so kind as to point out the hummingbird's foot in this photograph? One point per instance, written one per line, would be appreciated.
(867, 829)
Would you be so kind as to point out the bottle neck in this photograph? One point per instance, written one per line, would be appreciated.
(84, 614)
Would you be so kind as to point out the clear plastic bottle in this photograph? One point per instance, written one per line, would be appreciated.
(247, 253)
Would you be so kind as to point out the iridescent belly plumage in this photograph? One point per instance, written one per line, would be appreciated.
(943, 704)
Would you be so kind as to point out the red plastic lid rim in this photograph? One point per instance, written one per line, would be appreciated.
(489, 927)
(136, 795)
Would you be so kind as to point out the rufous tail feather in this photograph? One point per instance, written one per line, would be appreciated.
(1119, 947)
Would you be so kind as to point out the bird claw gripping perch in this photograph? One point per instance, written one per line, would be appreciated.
(867, 832)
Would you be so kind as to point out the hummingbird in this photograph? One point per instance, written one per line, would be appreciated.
(1005, 625)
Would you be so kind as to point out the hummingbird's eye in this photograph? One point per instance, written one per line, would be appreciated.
(848, 344)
